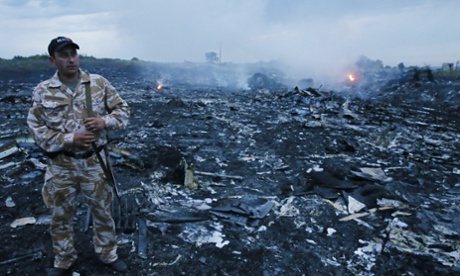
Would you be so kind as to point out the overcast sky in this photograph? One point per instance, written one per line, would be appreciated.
(308, 35)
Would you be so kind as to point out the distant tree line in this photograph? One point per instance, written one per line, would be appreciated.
(41, 63)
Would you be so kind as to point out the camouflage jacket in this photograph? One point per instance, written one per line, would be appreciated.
(57, 112)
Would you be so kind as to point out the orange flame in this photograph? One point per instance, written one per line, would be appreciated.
(351, 77)
(159, 86)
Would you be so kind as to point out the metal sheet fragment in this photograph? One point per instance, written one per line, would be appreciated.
(376, 174)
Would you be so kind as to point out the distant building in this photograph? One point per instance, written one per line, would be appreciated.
(447, 66)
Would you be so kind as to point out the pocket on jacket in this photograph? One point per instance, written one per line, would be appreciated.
(55, 112)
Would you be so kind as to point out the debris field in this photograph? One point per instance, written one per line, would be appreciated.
(363, 180)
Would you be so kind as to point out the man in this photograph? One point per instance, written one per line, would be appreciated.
(72, 137)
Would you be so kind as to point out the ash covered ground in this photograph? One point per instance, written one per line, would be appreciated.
(289, 180)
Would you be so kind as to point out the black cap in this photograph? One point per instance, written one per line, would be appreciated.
(60, 42)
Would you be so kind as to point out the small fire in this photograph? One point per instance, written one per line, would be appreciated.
(159, 86)
(351, 77)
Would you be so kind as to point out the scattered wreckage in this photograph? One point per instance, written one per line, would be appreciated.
(273, 182)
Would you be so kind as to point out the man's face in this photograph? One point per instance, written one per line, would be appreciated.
(67, 61)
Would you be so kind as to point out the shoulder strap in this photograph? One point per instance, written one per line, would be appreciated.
(89, 102)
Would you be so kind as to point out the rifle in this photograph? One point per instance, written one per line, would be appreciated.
(106, 166)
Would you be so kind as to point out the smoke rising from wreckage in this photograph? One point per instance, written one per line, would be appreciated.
(363, 180)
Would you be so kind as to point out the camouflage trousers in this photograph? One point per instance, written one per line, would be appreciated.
(64, 178)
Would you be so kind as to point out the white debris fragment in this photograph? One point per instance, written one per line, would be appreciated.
(345, 111)
(124, 240)
(367, 254)
(38, 164)
(220, 163)
(398, 223)
(168, 264)
(327, 261)
(444, 230)
(371, 246)
(44, 220)
(217, 238)
(23, 221)
(354, 205)
(211, 190)
(391, 203)
(262, 228)
(203, 207)
(331, 231)
(433, 142)
(153, 193)
(363, 223)
(299, 222)
(311, 242)
(399, 213)
(338, 206)
(354, 216)
(8, 152)
(9, 202)
(403, 239)
(287, 209)
(199, 159)
(315, 168)
(7, 165)
(201, 235)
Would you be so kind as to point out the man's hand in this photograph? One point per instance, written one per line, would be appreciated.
(94, 124)
(84, 139)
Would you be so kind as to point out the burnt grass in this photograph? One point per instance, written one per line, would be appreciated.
(273, 140)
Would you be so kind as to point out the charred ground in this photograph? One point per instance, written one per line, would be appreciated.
(278, 169)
